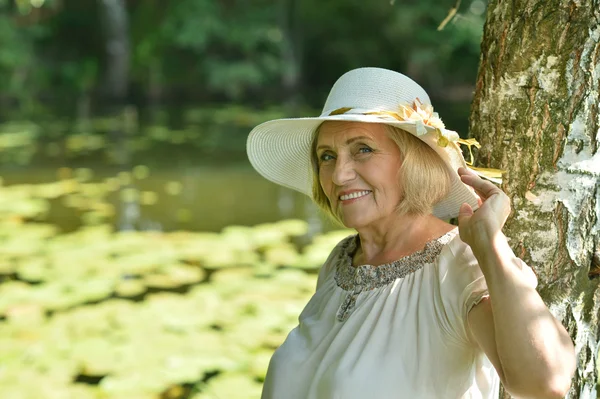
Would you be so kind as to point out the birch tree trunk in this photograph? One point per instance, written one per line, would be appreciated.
(536, 113)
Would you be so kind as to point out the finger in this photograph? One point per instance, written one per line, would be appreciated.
(483, 187)
(464, 213)
(481, 196)
(462, 171)
(465, 171)
(485, 191)
(478, 193)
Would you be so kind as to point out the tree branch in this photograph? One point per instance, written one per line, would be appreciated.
(450, 15)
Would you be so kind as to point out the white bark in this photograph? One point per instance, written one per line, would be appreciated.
(537, 114)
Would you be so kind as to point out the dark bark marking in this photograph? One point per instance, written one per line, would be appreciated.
(594, 107)
(533, 88)
(575, 103)
(520, 250)
(538, 150)
(501, 53)
(558, 144)
(564, 35)
(594, 126)
(546, 118)
(561, 217)
(595, 265)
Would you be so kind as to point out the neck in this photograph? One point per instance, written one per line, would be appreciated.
(397, 237)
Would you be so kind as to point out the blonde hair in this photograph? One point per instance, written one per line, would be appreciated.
(424, 176)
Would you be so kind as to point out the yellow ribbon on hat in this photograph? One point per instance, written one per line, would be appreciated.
(422, 114)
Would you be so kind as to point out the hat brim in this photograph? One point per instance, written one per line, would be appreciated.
(280, 150)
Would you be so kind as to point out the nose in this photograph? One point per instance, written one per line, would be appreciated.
(344, 172)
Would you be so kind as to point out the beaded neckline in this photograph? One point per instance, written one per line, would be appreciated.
(368, 277)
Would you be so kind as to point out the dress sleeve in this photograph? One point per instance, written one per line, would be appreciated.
(463, 285)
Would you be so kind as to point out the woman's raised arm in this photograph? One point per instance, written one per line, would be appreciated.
(529, 348)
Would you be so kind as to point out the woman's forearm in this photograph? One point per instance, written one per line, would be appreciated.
(535, 350)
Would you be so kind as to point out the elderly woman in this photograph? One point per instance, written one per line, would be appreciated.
(411, 306)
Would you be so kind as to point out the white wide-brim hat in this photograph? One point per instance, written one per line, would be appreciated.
(280, 150)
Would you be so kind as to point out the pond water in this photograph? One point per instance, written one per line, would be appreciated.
(209, 199)
(194, 177)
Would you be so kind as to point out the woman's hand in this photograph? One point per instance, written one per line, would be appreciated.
(477, 228)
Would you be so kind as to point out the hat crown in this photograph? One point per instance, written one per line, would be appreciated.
(373, 89)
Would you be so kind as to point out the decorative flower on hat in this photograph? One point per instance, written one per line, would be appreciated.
(421, 112)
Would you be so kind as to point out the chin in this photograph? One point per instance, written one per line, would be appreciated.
(356, 222)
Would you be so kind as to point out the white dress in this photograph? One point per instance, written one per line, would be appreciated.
(394, 331)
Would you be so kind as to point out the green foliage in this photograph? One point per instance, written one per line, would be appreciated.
(233, 50)
(403, 37)
(18, 76)
(229, 47)
(25, 6)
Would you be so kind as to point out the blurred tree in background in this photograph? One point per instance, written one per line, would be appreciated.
(56, 52)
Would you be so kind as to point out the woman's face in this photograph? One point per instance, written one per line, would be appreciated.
(358, 171)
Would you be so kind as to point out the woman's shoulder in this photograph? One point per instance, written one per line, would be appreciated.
(447, 245)
(456, 259)
(455, 248)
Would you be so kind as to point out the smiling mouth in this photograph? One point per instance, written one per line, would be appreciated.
(355, 195)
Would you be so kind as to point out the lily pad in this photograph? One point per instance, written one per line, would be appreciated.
(282, 255)
(293, 227)
(130, 288)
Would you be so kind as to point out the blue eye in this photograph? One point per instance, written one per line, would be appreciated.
(365, 150)
(325, 157)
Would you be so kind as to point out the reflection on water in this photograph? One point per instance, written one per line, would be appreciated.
(200, 198)
(191, 175)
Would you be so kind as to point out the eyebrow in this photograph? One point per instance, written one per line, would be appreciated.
(349, 141)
